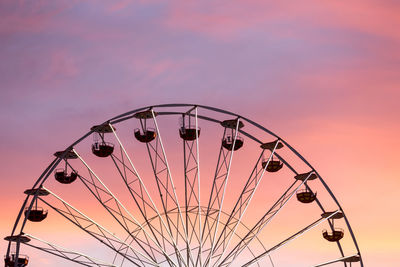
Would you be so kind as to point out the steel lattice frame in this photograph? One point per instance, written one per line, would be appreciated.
(174, 234)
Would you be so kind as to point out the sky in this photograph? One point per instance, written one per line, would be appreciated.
(322, 75)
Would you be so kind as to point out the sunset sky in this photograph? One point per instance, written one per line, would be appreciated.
(323, 75)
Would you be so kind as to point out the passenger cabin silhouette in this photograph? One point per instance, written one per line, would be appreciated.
(21, 261)
(145, 136)
(187, 130)
(227, 142)
(36, 214)
(336, 233)
(189, 133)
(306, 196)
(273, 165)
(100, 147)
(63, 177)
(229, 138)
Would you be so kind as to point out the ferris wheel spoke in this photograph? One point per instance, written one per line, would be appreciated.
(119, 211)
(73, 256)
(266, 218)
(135, 191)
(96, 230)
(204, 236)
(219, 184)
(141, 203)
(191, 174)
(243, 201)
(166, 187)
(137, 188)
(289, 239)
(165, 195)
(104, 198)
(159, 159)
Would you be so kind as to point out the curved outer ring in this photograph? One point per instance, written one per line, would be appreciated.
(125, 116)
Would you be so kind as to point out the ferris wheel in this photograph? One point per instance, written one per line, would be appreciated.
(182, 185)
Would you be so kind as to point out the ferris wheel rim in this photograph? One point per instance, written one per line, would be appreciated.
(125, 116)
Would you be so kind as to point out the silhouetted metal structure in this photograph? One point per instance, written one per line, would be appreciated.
(166, 230)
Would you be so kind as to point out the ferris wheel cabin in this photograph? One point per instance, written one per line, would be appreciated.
(145, 136)
(36, 214)
(229, 142)
(21, 261)
(100, 147)
(63, 177)
(336, 233)
(273, 165)
(333, 236)
(189, 133)
(306, 196)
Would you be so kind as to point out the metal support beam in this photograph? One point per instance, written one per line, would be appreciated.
(97, 231)
(266, 218)
(119, 212)
(351, 258)
(287, 240)
(166, 188)
(191, 165)
(141, 196)
(70, 255)
(242, 204)
(219, 187)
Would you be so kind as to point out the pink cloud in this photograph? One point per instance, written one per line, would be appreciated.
(29, 16)
(62, 65)
(119, 5)
(219, 21)
(231, 18)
